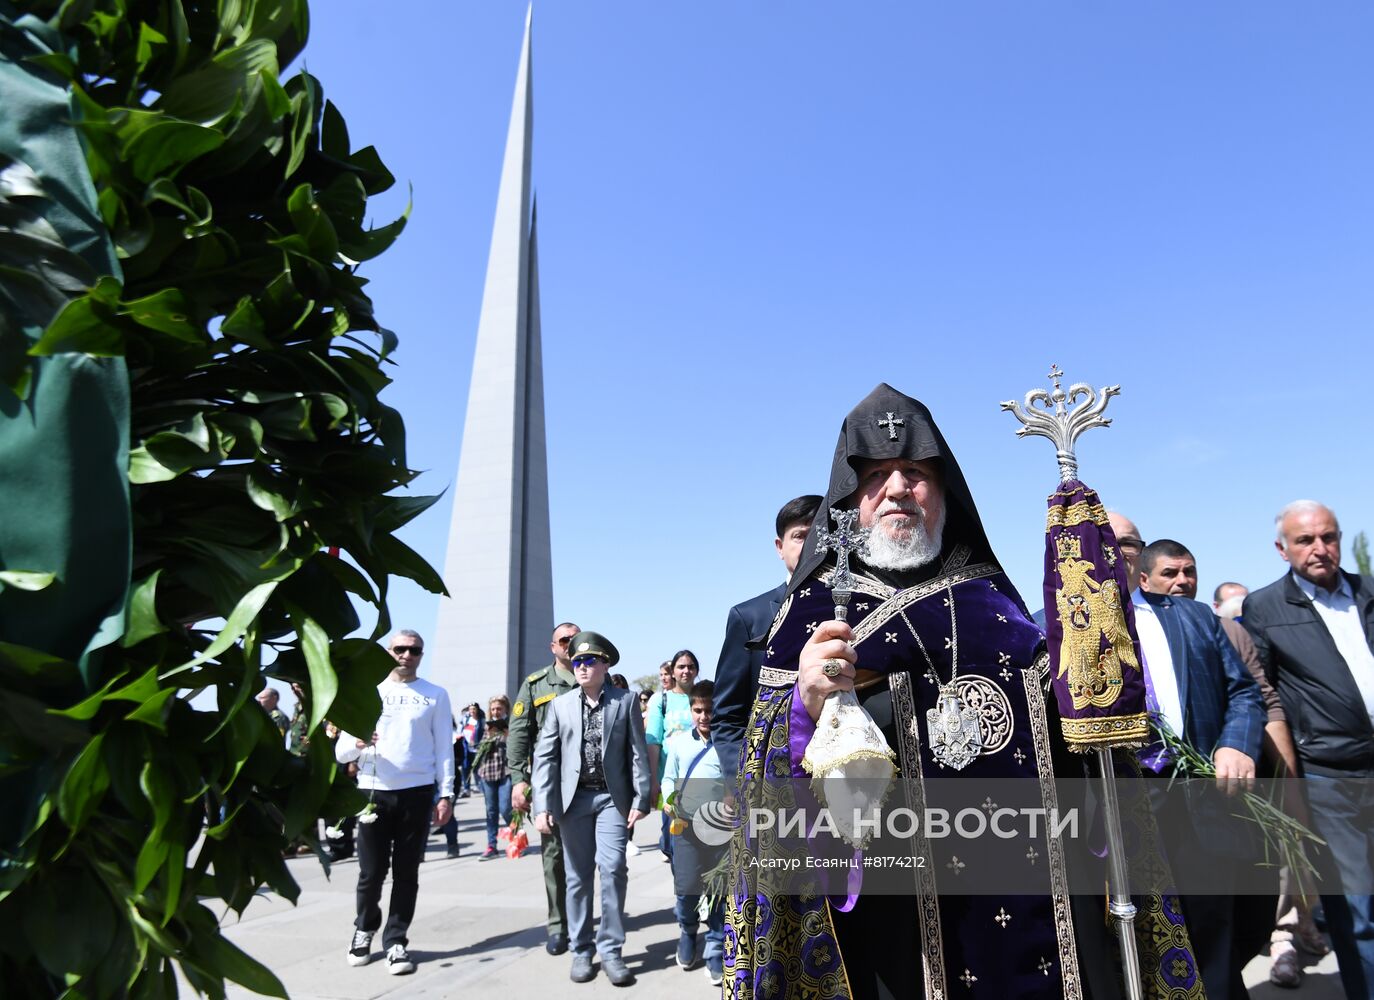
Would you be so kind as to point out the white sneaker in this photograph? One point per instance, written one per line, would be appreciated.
(398, 963)
(360, 951)
(631, 848)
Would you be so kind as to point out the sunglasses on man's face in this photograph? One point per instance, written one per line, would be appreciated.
(412, 650)
(564, 641)
(588, 661)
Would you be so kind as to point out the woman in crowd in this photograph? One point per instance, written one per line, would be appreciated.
(670, 712)
(492, 772)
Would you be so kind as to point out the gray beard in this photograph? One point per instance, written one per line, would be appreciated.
(923, 546)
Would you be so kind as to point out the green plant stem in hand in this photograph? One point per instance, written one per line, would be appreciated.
(1284, 837)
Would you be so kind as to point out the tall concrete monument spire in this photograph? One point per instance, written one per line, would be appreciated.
(495, 627)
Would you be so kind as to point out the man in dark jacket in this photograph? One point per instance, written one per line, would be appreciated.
(737, 670)
(1205, 694)
(1312, 630)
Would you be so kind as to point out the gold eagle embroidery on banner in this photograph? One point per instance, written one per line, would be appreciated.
(1090, 612)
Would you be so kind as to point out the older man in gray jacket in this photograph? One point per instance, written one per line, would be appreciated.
(591, 777)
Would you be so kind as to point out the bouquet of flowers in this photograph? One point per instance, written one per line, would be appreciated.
(514, 836)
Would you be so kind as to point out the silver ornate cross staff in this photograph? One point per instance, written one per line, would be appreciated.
(1045, 415)
(1063, 426)
(847, 538)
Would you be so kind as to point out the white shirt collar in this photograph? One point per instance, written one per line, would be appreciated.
(1312, 590)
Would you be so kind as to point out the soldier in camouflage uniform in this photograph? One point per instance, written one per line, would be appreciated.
(527, 716)
(297, 734)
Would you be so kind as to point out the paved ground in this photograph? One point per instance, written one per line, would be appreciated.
(479, 932)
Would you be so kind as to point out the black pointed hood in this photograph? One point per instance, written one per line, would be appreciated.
(888, 424)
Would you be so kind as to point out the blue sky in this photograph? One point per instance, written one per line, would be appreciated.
(752, 212)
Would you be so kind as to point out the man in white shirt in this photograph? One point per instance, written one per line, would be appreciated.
(409, 754)
(1312, 630)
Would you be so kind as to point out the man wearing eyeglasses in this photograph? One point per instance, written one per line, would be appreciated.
(592, 777)
(1129, 541)
(409, 754)
(526, 717)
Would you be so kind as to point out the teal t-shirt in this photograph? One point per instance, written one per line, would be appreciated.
(666, 719)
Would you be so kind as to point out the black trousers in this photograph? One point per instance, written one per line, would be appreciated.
(396, 838)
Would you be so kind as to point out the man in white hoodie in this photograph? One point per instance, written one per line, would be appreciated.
(409, 754)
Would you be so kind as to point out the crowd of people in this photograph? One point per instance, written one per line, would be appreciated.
(1279, 681)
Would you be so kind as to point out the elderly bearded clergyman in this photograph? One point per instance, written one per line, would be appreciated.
(932, 613)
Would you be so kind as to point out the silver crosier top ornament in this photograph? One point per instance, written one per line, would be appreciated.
(1063, 425)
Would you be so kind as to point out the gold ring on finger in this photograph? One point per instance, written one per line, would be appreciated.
(832, 667)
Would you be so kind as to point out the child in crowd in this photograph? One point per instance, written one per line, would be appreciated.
(692, 776)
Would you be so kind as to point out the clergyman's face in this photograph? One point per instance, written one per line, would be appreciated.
(894, 493)
(1172, 575)
(562, 637)
(789, 546)
(1313, 546)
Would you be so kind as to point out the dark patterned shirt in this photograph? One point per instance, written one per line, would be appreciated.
(493, 764)
(593, 774)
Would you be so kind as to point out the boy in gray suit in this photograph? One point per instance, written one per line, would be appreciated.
(591, 778)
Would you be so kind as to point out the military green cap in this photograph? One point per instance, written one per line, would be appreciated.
(593, 644)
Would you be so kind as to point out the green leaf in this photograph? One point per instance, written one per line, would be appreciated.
(175, 867)
(143, 468)
(161, 795)
(263, 491)
(143, 620)
(245, 324)
(47, 907)
(312, 223)
(154, 144)
(238, 623)
(26, 579)
(85, 709)
(168, 311)
(152, 712)
(149, 38)
(361, 665)
(324, 682)
(334, 133)
(239, 966)
(84, 786)
(88, 325)
(397, 512)
(402, 560)
(372, 171)
(303, 105)
(210, 93)
(374, 242)
(151, 857)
